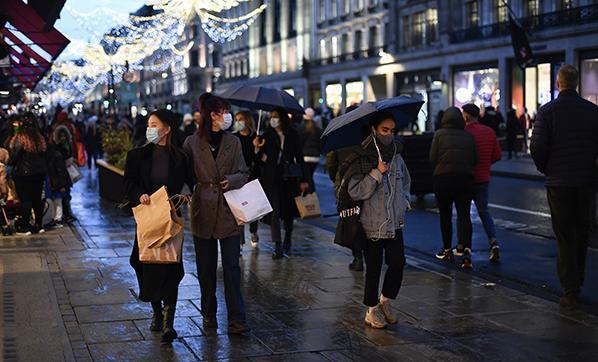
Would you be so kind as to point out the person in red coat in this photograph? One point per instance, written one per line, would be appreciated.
(488, 153)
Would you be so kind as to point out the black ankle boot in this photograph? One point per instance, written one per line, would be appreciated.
(168, 333)
(157, 319)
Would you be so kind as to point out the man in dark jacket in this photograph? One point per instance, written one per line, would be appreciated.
(564, 147)
(453, 157)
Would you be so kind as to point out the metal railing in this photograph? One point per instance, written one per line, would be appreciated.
(573, 16)
(361, 54)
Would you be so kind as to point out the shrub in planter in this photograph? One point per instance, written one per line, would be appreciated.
(116, 143)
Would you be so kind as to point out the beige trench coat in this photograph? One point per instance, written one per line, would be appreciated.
(210, 215)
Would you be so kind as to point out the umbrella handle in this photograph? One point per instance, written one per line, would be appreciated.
(259, 122)
(376, 145)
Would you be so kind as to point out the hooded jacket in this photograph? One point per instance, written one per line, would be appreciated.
(453, 149)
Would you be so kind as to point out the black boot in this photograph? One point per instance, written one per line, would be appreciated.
(169, 334)
(277, 251)
(357, 263)
(286, 246)
(157, 321)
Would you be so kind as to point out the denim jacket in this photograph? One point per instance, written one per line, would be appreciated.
(385, 199)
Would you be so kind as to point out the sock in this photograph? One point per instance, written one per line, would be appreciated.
(383, 299)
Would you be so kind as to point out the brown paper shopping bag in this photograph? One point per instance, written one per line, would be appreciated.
(308, 206)
(157, 223)
(169, 252)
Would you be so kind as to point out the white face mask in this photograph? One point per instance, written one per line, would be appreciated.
(238, 126)
(153, 135)
(227, 121)
(274, 122)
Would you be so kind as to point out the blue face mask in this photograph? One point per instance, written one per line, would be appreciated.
(153, 135)
(227, 121)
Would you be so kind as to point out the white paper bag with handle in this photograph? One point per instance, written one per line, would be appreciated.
(249, 203)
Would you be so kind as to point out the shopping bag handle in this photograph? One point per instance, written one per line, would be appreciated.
(180, 201)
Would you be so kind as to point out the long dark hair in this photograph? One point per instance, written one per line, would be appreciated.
(29, 138)
(209, 103)
(285, 121)
(168, 118)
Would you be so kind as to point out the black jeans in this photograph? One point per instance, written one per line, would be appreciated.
(206, 251)
(571, 211)
(458, 190)
(29, 191)
(394, 255)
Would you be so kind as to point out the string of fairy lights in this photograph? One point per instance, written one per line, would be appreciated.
(152, 40)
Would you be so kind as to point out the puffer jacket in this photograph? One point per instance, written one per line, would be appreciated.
(385, 196)
(27, 164)
(453, 149)
(564, 143)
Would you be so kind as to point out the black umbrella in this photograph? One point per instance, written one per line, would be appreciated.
(346, 130)
(262, 98)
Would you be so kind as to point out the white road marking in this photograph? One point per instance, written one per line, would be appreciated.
(522, 211)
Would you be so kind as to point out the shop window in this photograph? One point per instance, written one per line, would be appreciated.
(334, 47)
(500, 13)
(476, 86)
(347, 6)
(346, 44)
(354, 93)
(333, 8)
(292, 18)
(565, 4)
(472, 15)
(334, 96)
(532, 7)
(276, 20)
(263, 20)
(323, 54)
(195, 58)
(322, 14)
(373, 44)
(589, 79)
(544, 84)
(531, 89)
(357, 44)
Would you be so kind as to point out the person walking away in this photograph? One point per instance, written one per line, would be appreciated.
(309, 136)
(564, 147)
(219, 167)
(453, 157)
(159, 163)
(284, 176)
(58, 181)
(491, 119)
(28, 160)
(92, 141)
(380, 179)
(526, 125)
(244, 129)
(65, 123)
(513, 129)
(488, 151)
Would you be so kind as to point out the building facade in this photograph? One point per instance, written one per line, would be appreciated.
(179, 84)
(446, 52)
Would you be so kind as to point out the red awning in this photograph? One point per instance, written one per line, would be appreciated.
(33, 45)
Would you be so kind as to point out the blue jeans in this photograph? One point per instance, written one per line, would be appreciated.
(481, 203)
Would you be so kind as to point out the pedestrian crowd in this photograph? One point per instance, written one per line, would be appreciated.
(212, 152)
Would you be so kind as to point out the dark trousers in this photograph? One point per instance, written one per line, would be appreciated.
(206, 257)
(276, 200)
(312, 166)
(29, 189)
(571, 211)
(92, 155)
(66, 204)
(457, 191)
(394, 255)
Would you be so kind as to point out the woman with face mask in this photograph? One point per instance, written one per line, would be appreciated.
(219, 167)
(159, 163)
(243, 128)
(284, 176)
(378, 179)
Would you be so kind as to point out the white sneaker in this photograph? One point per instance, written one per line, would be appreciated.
(375, 318)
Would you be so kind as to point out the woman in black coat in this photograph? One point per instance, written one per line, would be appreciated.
(284, 175)
(148, 168)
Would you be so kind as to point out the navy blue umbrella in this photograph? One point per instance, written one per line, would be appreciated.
(347, 130)
(262, 98)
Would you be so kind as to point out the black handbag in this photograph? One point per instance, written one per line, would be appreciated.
(291, 171)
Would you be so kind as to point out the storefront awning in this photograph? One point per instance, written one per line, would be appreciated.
(32, 44)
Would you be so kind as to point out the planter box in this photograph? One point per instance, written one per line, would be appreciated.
(112, 181)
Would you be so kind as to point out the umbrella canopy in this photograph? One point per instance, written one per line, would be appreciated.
(347, 130)
(262, 98)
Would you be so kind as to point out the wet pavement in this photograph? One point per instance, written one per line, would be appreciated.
(70, 294)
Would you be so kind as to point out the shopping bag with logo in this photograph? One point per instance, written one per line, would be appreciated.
(308, 206)
(158, 224)
(73, 170)
(248, 203)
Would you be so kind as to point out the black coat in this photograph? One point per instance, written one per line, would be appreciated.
(275, 186)
(453, 150)
(27, 164)
(57, 174)
(564, 143)
(310, 140)
(156, 281)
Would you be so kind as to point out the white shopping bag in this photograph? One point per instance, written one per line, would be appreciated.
(73, 170)
(249, 203)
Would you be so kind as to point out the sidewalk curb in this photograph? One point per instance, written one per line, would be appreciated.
(517, 175)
